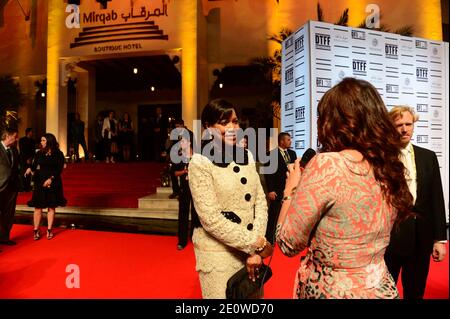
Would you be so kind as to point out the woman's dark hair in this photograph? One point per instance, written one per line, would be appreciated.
(187, 135)
(52, 145)
(215, 111)
(352, 115)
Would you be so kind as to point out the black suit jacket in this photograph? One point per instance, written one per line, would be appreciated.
(276, 182)
(9, 176)
(417, 235)
(27, 148)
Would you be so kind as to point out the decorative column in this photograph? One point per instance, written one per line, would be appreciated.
(188, 29)
(56, 117)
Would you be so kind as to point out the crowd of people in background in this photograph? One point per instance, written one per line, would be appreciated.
(120, 140)
(114, 139)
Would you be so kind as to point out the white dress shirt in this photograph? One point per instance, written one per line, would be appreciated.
(408, 160)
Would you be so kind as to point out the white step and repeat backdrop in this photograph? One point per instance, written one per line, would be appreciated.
(405, 70)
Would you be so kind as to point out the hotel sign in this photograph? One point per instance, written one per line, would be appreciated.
(117, 25)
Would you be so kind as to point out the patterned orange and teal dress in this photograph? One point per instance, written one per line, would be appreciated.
(345, 258)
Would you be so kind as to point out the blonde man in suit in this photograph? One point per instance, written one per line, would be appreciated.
(425, 233)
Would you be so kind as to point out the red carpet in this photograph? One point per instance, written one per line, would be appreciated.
(121, 265)
(107, 185)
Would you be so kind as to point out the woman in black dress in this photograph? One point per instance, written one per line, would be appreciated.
(46, 170)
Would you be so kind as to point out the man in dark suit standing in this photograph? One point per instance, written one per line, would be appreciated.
(424, 234)
(27, 148)
(77, 132)
(159, 125)
(9, 182)
(275, 182)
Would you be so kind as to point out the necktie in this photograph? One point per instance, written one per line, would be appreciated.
(410, 174)
(8, 151)
(287, 157)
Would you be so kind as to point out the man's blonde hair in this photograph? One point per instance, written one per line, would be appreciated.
(398, 110)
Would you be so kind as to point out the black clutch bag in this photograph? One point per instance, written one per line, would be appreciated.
(239, 286)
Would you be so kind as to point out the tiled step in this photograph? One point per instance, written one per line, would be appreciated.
(158, 201)
(164, 190)
(155, 213)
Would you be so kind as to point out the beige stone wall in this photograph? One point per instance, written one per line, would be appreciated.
(23, 43)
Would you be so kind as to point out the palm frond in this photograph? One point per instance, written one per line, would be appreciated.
(319, 13)
(280, 36)
(285, 33)
(275, 37)
(407, 30)
(384, 28)
(362, 25)
(343, 20)
(267, 65)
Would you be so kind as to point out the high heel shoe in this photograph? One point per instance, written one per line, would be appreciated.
(49, 234)
(37, 234)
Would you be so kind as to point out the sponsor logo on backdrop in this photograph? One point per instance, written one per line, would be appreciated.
(323, 82)
(299, 44)
(407, 81)
(300, 144)
(391, 51)
(289, 105)
(377, 80)
(300, 114)
(392, 88)
(420, 44)
(300, 81)
(341, 38)
(421, 74)
(289, 75)
(422, 108)
(323, 41)
(289, 42)
(436, 85)
(341, 74)
(375, 42)
(422, 139)
(359, 67)
(436, 114)
(407, 48)
(358, 35)
(374, 45)
(435, 51)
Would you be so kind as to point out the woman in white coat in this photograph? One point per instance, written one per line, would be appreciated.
(230, 203)
(110, 130)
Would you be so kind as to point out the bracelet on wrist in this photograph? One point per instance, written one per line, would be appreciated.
(291, 193)
(260, 249)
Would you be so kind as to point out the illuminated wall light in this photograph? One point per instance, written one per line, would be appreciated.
(220, 85)
(135, 70)
(152, 88)
(43, 94)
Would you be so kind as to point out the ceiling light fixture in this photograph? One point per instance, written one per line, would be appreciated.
(135, 70)
(152, 88)
(220, 85)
